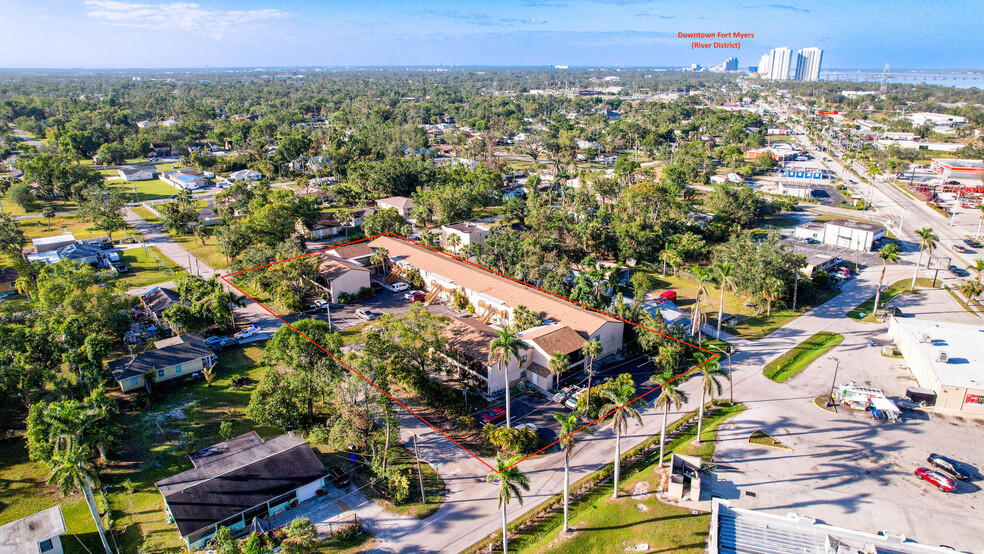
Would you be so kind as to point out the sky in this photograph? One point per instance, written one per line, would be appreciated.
(908, 34)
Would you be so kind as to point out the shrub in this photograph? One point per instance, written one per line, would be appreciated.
(517, 441)
(459, 300)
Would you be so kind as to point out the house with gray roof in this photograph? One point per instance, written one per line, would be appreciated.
(137, 173)
(176, 357)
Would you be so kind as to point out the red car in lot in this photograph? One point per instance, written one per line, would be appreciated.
(937, 479)
(495, 415)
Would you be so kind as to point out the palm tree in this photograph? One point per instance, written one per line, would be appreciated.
(773, 291)
(558, 364)
(621, 409)
(971, 289)
(978, 267)
(23, 285)
(927, 241)
(669, 395)
(427, 237)
(380, 257)
(72, 471)
(699, 317)
(505, 347)
(709, 372)
(888, 253)
(722, 273)
(591, 350)
(48, 212)
(453, 242)
(568, 427)
(510, 480)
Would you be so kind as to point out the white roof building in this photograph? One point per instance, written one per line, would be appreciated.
(921, 118)
(37, 533)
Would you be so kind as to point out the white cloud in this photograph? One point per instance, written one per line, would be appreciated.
(178, 15)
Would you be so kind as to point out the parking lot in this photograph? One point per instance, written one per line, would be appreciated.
(384, 302)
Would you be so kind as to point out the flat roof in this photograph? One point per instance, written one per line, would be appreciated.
(959, 164)
(477, 279)
(963, 345)
(23, 535)
(856, 225)
(57, 239)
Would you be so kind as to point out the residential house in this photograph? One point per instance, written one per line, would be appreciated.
(159, 149)
(401, 204)
(75, 252)
(245, 175)
(184, 179)
(358, 253)
(729, 178)
(325, 226)
(318, 163)
(8, 280)
(208, 215)
(240, 483)
(38, 533)
(359, 215)
(169, 122)
(468, 233)
(145, 123)
(137, 173)
(343, 276)
(544, 342)
(175, 357)
(156, 300)
(612, 115)
(45, 244)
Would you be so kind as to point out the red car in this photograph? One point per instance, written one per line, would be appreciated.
(417, 296)
(941, 481)
(495, 415)
(670, 295)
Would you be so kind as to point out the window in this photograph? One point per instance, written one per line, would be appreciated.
(133, 381)
(46, 545)
(177, 368)
(160, 373)
(522, 359)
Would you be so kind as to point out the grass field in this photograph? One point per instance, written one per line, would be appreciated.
(154, 189)
(801, 356)
(37, 228)
(604, 525)
(145, 268)
(208, 254)
(146, 214)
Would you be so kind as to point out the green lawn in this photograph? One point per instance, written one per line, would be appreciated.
(899, 287)
(762, 438)
(154, 189)
(209, 254)
(145, 269)
(604, 525)
(146, 214)
(802, 355)
(14, 210)
(37, 228)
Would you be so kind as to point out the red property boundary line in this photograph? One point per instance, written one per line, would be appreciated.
(225, 278)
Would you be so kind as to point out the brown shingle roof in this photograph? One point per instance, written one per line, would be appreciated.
(477, 279)
(539, 370)
(332, 267)
(349, 251)
(471, 337)
(401, 202)
(554, 338)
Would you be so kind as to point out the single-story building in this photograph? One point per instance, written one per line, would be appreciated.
(358, 253)
(325, 226)
(175, 357)
(468, 233)
(156, 300)
(239, 481)
(208, 216)
(728, 178)
(245, 175)
(38, 533)
(160, 149)
(81, 253)
(184, 179)
(343, 276)
(46, 244)
(958, 169)
(799, 190)
(8, 280)
(137, 173)
(947, 358)
(845, 233)
(942, 119)
(401, 204)
(359, 215)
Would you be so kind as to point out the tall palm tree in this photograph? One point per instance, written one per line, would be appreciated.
(773, 291)
(618, 405)
(669, 395)
(978, 267)
(927, 241)
(888, 253)
(591, 350)
(505, 347)
(702, 275)
(510, 480)
(709, 373)
(453, 242)
(558, 364)
(722, 274)
(428, 237)
(568, 428)
(380, 257)
(71, 471)
(24, 285)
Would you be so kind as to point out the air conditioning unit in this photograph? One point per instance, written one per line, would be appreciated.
(942, 357)
(925, 338)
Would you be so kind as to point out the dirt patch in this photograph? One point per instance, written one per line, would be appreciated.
(641, 491)
(642, 507)
(663, 474)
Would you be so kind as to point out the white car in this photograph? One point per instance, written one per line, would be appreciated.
(527, 426)
(364, 314)
(400, 287)
(246, 333)
(319, 303)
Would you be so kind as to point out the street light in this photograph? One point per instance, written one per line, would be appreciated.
(731, 381)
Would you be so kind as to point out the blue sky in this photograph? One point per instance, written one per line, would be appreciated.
(246, 33)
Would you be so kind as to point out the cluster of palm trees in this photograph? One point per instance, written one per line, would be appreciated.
(618, 407)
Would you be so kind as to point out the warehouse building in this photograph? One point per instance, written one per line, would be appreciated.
(958, 169)
(844, 233)
(947, 358)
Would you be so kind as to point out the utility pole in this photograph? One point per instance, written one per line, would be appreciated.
(731, 379)
(833, 383)
(795, 290)
(423, 498)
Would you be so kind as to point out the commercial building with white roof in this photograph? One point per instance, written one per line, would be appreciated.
(947, 358)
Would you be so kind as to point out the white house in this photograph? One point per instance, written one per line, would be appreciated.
(137, 173)
(729, 178)
(401, 204)
(38, 533)
(45, 244)
(245, 175)
(845, 233)
(468, 233)
(343, 276)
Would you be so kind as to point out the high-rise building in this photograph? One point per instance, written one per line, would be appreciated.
(765, 64)
(808, 64)
(779, 69)
(731, 64)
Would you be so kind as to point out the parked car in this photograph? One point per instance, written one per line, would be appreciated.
(320, 303)
(246, 333)
(937, 479)
(950, 466)
(339, 477)
(121, 267)
(364, 314)
(215, 339)
(105, 245)
(495, 415)
(226, 342)
(410, 295)
(969, 242)
(670, 295)
(811, 240)
(959, 248)
(400, 287)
